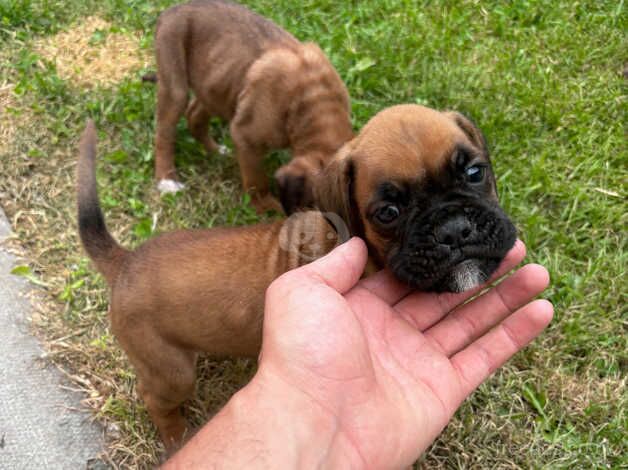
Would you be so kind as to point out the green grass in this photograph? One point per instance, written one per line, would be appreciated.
(543, 79)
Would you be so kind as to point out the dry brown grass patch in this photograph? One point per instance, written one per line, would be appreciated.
(90, 53)
(578, 394)
(12, 116)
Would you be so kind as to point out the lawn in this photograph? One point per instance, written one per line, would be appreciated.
(543, 79)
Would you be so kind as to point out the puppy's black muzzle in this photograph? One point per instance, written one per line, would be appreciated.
(453, 246)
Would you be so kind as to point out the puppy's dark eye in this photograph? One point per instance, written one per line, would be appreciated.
(387, 214)
(475, 174)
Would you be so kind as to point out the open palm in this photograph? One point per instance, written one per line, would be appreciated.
(388, 367)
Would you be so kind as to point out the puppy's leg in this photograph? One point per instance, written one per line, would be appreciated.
(172, 98)
(198, 122)
(170, 106)
(166, 376)
(250, 154)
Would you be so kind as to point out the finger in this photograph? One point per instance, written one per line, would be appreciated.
(481, 358)
(423, 309)
(472, 320)
(340, 269)
(386, 286)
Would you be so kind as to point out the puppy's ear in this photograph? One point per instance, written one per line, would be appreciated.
(334, 191)
(470, 129)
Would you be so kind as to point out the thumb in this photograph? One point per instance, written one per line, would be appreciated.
(340, 269)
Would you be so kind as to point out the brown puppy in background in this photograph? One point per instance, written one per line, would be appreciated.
(416, 184)
(275, 91)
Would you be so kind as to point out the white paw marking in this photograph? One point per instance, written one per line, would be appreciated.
(467, 275)
(223, 150)
(169, 186)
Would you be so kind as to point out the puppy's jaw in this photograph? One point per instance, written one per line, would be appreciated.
(432, 276)
(466, 276)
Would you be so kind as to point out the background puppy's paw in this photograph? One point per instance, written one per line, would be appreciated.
(222, 150)
(167, 186)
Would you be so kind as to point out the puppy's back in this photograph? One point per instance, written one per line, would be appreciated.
(210, 45)
(205, 20)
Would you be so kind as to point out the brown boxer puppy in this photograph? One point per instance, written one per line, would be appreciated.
(275, 91)
(416, 184)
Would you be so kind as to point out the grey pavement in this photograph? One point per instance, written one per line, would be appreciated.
(40, 427)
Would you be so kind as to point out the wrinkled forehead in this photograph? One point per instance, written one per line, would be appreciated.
(406, 145)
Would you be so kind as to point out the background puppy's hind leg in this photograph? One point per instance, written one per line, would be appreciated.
(170, 107)
(172, 98)
(165, 380)
(198, 122)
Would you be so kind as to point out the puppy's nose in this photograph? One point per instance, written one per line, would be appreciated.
(454, 231)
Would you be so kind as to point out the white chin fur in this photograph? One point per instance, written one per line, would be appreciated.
(223, 150)
(169, 186)
(467, 276)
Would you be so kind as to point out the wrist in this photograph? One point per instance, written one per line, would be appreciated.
(268, 424)
(295, 431)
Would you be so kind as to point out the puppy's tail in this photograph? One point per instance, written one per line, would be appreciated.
(150, 77)
(97, 241)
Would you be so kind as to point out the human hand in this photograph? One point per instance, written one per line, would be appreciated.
(365, 374)
(383, 369)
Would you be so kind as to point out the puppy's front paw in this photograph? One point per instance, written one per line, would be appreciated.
(222, 150)
(167, 186)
